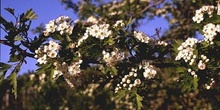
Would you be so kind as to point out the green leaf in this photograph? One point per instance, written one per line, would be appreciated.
(57, 37)
(180, 70)
(13, 79)
(30, 14)
(129, 21)
(4, 67)
(175, 45)
(51, 73)
(138, 101)
(137, 98)
(2, 76)
(10, 10)
(18, 38)
(14, 58)
(3, 21)
(120, 94)
(195, 83)
(7, 25)
(41, 70)
(113, 70)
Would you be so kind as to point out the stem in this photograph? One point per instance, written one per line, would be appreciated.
(23, 52)
(154, 4)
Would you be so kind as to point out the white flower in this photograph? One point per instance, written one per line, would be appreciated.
(141, 37)
(200, 12)
(46, 49)
(119, 23)
(52, 54)
(186, 51)
(42, 78)
(32, 76)
(162, 43)
(198, 18)
(61, 24)
(51, 27)
(46, 33)
(80, 41)
(218, 9)
(42, 60)
(99, 31)
(137, 81)
(190, 42)
(53, 45)
(69, 30)
(208, 87)
(128, 81)
(201, 65)
(210, 30)
(38, 51)
(113, 57)
(123, 80)
(74, 68)
(92, 19)
(149, 71)
(57, 73)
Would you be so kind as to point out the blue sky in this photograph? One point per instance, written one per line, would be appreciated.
(48, 10)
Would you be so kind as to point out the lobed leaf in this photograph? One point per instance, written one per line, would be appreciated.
(137, 98)
(18, 38)
(3, 69)
(14, 58)
(13, 79)
(10, 10)
(30, 14)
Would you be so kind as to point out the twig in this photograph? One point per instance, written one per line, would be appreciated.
(149, 6)
(23, 52)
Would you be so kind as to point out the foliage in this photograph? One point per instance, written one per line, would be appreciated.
(105, 52)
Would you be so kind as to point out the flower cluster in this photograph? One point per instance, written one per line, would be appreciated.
(199, 16)
(98, 31)
(72, 69)
(119, 23)
(129, 81)
(61, 24)
(141, 37)
(70, 72)
(210, 31)
(113, 57)
(42, 78)
(83, 38)
(208, 86)
(149, 71)
(92, 19)
(201, 64)
(163, 43)
(48, 51)
(186, 51)
(192, 72)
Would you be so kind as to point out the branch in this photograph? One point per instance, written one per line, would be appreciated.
(149, 6)
(21, 51)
